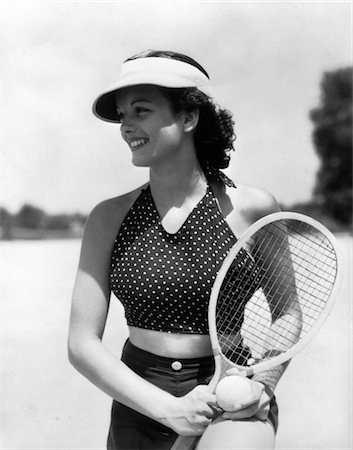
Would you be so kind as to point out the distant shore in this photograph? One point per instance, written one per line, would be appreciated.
(17, 233)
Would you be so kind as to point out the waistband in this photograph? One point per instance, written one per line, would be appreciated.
(146, 357)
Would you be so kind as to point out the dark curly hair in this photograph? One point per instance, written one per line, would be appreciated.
(214, 134)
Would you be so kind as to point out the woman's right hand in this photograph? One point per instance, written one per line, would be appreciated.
(192, 413)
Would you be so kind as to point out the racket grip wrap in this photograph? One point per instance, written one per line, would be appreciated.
(185, 443)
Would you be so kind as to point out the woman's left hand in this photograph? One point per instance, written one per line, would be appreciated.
(255, 404)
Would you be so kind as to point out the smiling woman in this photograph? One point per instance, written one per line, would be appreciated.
(150, 127)
(158, 249)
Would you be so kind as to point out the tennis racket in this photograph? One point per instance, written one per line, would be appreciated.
(271, 295)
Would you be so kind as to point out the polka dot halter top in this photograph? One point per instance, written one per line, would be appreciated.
(164, 280)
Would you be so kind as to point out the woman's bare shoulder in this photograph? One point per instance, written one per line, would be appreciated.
(108, 215)
(243, 206)
(253, 201)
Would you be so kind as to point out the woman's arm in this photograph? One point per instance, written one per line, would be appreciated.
(250, 204)
(90, 304)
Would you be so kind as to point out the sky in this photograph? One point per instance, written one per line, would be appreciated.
(265, 59)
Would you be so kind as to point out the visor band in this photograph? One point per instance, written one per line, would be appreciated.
(187, 74)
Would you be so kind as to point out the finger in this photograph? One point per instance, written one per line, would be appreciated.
(235, 371)
(243, 413)
(200, 431)
(210, 399)
(212, 411)
(205, 422)
(216, 412)
(259, 386)
(262, 414)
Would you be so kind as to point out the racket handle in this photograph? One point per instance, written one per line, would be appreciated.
(185, 443)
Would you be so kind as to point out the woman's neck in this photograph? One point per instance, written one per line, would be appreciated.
(175, 185)
(177, 188)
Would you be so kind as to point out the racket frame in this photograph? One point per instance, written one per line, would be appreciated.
(220, 360)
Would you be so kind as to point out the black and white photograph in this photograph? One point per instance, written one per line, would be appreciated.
(176, 225)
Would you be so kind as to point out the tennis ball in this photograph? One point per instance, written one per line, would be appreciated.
(231, 390)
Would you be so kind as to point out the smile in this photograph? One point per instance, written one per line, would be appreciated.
(138, 143)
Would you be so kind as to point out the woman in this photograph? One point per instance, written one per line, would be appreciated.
(158, 249)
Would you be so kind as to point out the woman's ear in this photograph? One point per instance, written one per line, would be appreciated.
(191, 119)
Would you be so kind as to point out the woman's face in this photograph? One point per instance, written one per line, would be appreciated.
(154, 133)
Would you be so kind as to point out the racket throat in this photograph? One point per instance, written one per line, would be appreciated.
(218, 370)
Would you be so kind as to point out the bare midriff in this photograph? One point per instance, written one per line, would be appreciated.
(171, 345)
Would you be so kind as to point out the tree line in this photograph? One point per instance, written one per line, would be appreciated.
(332, 138)
(33, 222)
(331, 200)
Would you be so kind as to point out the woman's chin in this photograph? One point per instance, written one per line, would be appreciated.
(140, 162)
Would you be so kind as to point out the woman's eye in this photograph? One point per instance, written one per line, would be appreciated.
(120, 116)
(141, 110)
(138, 111)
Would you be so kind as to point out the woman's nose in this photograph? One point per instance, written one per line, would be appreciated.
(127, 128)
(127, 123)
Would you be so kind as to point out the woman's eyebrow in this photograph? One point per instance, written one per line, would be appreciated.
(141, 99)
(137, 100)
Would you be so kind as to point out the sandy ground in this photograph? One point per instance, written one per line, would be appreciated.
(46, 404)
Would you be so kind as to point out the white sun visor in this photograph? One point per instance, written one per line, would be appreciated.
(158, 71)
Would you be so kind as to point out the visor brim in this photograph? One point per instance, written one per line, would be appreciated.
(104, 106)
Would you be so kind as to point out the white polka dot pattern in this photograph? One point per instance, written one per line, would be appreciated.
(164, 280)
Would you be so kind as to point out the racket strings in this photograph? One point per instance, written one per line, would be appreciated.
(282, 279)
(317, 266)
(281, 293)
(303, 281)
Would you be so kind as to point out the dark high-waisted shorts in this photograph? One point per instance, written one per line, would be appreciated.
(132, 430)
